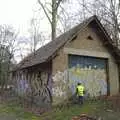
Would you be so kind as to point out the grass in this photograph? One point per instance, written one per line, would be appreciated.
(15, 112)
(89, 108)
(95, 108)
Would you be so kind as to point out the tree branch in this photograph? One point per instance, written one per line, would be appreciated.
(58, 3)
(45, 11)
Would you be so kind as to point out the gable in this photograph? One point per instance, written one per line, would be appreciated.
(48, 51)
(87, 40)
(81, 47)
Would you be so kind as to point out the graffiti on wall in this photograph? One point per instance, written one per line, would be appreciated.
(40, 87)
(60, 81)
(35, 85)
(22, 84)
(94, 81)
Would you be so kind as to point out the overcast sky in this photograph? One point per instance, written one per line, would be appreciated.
(17, 13)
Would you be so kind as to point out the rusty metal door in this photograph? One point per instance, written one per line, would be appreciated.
(91, 72)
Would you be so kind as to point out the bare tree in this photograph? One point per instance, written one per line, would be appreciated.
(108, 12)
(7, 48)
(65, 20)
(36, 36)
(51, 14)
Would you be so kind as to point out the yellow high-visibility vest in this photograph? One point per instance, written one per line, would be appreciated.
(80, 90)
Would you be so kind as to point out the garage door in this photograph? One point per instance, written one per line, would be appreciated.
(91, 72)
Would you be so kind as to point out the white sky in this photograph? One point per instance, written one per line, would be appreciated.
(17, 13)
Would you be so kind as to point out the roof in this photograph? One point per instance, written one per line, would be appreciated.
(46, 52)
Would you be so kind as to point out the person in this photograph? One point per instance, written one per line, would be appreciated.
(80, 90)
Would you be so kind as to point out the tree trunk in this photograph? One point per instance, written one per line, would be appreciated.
(53, 24)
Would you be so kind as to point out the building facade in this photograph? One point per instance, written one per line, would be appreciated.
(83, 54)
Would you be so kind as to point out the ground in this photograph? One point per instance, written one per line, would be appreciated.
(97, 109)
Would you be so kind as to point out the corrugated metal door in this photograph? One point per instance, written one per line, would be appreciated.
(91, 72)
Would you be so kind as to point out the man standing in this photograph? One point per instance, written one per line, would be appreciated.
(80, 92)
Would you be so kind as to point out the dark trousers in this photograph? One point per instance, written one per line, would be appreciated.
(80, 99)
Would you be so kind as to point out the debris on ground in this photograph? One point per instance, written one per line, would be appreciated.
(108, 110)
(83, 117)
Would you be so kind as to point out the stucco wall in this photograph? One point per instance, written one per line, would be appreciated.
(78, 46)
(59, 73)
